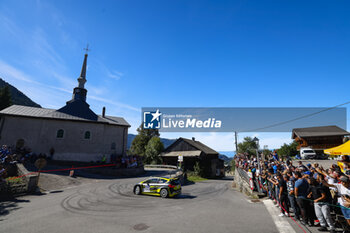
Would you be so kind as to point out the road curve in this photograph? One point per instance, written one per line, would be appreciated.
(111, 206)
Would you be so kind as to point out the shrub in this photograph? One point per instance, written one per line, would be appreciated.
(198, 170)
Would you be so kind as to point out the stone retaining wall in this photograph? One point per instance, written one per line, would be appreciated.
(242, 184)
(31, 179)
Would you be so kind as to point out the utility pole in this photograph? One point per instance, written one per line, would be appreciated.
(236, 141)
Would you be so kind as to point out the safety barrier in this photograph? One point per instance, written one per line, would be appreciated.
(243, 174)
(243, 182)
(160, 166)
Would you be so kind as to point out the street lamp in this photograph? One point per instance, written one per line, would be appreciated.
(256, 140)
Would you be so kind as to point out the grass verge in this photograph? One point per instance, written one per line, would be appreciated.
(195, 178)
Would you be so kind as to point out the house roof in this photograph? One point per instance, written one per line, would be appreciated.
(200, 146)
(196, 144)
(192, 153)
(24, 111)
(331, 130)
(78, 108)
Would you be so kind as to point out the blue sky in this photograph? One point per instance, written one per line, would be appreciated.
(180, 54)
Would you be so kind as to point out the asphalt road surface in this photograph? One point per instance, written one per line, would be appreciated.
(109, 205)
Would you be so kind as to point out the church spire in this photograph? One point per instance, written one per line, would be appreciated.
(78, 106)
(82, 77)
(80, 92)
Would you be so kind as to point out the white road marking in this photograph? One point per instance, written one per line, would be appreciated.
(281, 223)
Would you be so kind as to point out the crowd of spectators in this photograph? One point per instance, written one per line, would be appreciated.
(130, 161)
(10, 156)
(8, 159)
(309, 193)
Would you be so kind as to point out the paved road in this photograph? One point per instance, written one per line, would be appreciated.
(110, 206)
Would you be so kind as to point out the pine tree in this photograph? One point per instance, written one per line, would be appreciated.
(138, 145)
(153, 149)
(5, 98)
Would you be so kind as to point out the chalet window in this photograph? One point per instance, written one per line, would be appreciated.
(87, 135)
(60, 133)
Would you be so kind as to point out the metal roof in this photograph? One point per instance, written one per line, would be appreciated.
(331, 130)
(192, 153)
(196, 144)
(200, 146)
(18, 110)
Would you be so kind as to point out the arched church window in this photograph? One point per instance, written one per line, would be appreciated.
(87, 135)
(60, 133)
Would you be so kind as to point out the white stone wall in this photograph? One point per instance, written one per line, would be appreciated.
(40, 136)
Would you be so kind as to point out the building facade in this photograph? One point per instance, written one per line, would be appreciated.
(319, 138)
(193, 151)
(73, 132)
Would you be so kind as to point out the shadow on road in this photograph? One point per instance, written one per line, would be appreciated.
(8, 204)
(85, 173)
(188, 182)
(185, 196)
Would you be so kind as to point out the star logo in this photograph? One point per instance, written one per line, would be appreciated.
(152, 119)
(156, 115)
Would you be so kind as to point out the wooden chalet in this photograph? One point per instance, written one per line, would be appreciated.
(194, 151)
(319, 138)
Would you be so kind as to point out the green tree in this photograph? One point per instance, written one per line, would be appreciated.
(5, 98)
(233, 165)
(149, 133)
(198, 169)
(247, 146)
(266, 153)
(138, 145)
(288, 150)
(153, 149)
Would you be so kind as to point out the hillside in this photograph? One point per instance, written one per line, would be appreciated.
(166, 142)
(17, 97)
(225, 158)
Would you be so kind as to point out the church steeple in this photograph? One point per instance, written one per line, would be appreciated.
(82, 77)
(77, 106)
(80, 92)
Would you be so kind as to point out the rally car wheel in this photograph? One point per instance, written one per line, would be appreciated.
(137, 190)
(164, 193)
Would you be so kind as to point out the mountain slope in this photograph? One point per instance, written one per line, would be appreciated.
(17, 97)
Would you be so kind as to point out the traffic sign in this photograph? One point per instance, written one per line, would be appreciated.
(40, 163)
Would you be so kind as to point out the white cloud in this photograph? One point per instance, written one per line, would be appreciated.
(45, 51)
(113, 74)
(115, 103)
(9, 25)
(8, 71)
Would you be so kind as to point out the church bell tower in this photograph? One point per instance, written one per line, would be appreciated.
(80, 92)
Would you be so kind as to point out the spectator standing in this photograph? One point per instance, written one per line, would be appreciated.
(283, 194)
(322, 199)
(301, 191)
(291, 197)
(343, 195)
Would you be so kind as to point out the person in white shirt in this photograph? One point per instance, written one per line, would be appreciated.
(343, 195)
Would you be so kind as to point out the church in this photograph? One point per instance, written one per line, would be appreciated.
(73, 132)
